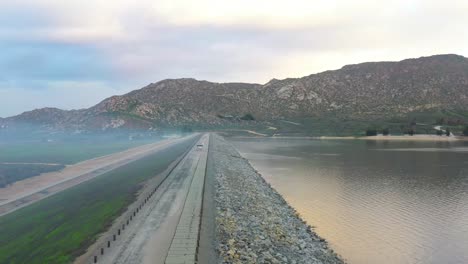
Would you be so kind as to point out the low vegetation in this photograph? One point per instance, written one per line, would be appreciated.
(247, 117)
(385, 131)
(20, 161)
(465, 131)
(62, 152)
(59, 228)
(10, 173)
(371, 132)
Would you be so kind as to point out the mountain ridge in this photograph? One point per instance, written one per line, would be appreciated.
(364, 91)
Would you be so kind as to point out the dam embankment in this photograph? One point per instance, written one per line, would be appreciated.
(251, 222)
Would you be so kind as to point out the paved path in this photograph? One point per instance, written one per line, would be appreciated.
(144, 233)
(185, 242)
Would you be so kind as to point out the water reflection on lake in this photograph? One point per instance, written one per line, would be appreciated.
(374, 201)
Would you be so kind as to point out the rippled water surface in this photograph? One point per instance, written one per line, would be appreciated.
(375, 202)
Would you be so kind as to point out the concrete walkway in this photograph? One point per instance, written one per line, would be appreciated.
(185, 242)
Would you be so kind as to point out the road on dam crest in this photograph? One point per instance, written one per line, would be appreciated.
(163, 225)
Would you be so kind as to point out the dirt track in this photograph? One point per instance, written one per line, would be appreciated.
(33, 189)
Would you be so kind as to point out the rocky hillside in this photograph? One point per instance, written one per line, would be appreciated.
(375, 89)
(366, 91)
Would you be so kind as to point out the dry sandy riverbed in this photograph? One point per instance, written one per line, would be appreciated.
(33, 189)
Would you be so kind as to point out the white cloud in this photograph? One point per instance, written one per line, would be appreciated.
(243, 40)
(78, 19)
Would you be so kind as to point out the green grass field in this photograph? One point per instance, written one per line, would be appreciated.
(58, 153)
(10, 173)
(59, 228)
(63, 152)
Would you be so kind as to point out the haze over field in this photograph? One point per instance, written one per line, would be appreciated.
(73, 54)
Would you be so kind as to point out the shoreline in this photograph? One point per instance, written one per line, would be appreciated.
(253, 222)
(433, 138)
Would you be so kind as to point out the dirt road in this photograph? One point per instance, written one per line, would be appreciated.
(33, 189)
(145, 236)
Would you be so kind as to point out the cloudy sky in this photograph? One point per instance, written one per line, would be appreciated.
(74, 53)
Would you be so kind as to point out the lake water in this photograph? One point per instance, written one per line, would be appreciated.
(374, 202)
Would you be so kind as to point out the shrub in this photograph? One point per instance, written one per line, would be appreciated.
(385, 131)
(465, 131)
(371, 132)
(247, 117)
(186, 129)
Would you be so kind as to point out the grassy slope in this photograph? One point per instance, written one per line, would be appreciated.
(62, 152)
(10, 173)
(61, 227)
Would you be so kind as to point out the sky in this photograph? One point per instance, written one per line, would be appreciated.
(72, 54)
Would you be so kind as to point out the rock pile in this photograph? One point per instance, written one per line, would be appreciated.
(254, 224)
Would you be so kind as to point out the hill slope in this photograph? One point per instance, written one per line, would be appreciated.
(433, 87)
